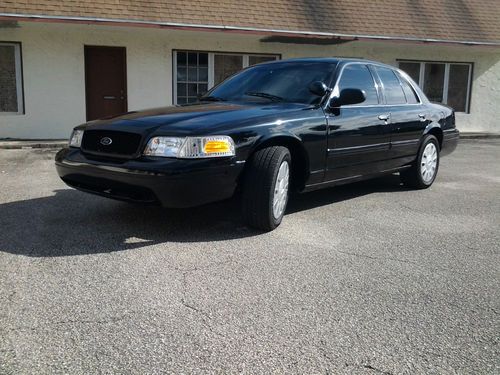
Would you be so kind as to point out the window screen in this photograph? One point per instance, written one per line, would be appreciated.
(10, 78)
(458, 85)
(412, 69)
(225, 66)
(255, 59)
(434, 81)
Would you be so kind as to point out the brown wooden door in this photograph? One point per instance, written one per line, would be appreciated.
(105, 81)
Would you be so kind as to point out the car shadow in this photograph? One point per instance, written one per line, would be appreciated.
(74, 223)
(385, 184)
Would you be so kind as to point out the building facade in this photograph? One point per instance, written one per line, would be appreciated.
(63, 65)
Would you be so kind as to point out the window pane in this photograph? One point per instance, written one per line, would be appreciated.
(411, 95)
(202, 88)
(192, 59)
(181, 58)
(203, 59)
(192, 75)
(192, 89)
(252, 59)
(225, 66)
(8, 83)
(434, 81)
(203, 74)
(181, 74)
(412, 69)
(457, 87)
(359, 77)
(181, 89)
(392, 88)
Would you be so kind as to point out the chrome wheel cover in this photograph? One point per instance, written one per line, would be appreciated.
(281, 190)
(428, 163)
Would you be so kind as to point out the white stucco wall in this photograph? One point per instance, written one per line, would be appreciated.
(53, 70)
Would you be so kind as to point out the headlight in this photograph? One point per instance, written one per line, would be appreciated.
(76, 138)
(191, 147)
(164, 146)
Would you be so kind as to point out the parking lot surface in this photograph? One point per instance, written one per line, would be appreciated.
(368, 278)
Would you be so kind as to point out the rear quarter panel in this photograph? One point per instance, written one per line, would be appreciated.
(445, 120)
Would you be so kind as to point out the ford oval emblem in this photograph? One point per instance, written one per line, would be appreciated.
(106, 141)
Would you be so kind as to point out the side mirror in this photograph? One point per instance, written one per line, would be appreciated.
(349, 96)
(318, 88)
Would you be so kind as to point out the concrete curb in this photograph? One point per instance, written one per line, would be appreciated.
(17, 145)
(479, 135)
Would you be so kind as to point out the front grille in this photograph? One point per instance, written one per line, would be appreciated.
(122, 143)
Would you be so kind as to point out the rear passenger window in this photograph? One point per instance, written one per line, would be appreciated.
(357, 76)
(411, 95)
(392, 87)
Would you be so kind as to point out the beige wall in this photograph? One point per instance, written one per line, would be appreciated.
(53, 68)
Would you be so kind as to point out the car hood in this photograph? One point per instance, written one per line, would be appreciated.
(197, 119)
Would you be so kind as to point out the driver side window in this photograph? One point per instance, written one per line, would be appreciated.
(358, 76)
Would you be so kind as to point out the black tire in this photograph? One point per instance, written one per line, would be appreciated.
(413, 176)
(259, 184)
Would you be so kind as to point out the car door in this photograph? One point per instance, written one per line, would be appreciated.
(408, 117)
(358, 135)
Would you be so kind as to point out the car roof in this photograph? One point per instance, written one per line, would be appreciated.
(331, 60)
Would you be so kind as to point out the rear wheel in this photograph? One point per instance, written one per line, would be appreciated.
(424, 171)
(266, 187)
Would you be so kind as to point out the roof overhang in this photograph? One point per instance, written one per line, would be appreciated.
(272, 35)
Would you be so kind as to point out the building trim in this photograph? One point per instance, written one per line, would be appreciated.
(237, 29)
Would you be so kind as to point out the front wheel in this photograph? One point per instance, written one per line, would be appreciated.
(424, 171)
(266, 187)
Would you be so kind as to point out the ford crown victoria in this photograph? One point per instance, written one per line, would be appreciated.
(291, 125)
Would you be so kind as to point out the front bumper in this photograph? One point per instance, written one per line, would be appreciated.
(169, 182)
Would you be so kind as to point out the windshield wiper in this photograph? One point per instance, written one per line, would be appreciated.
(211, 99)
(274, 98)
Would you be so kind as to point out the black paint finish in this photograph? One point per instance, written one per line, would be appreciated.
(330, 145)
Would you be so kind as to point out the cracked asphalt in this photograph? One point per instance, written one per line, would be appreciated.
(368, 278)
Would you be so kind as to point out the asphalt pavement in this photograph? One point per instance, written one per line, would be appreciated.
(369, 278)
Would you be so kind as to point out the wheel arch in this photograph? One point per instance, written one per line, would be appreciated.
(435, 130)
(300, 158)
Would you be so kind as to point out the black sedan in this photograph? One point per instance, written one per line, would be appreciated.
(298, 125)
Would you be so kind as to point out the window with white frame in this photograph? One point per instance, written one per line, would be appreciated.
(445, 82)
(11, 92)
(197, 72)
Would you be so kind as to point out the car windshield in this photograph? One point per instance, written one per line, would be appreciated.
(278, 82)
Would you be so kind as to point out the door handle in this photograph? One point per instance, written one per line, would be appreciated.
(384, 117)
(422, 117)
(109, 97)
